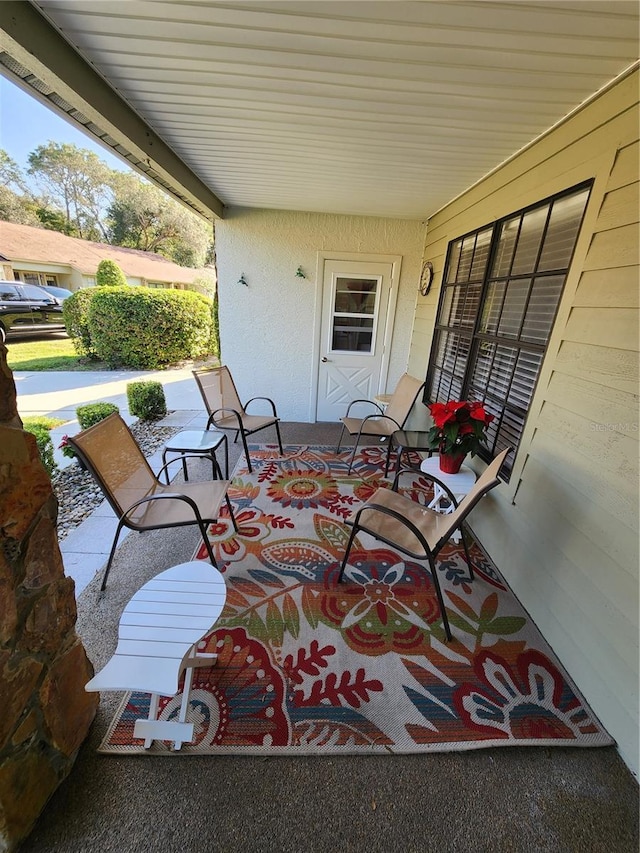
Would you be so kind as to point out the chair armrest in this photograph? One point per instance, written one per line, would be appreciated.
(167, 496)
(165, 467)
(416, 472)
(212, 417)
(370, 402)
(385, 510)
(268, 400)
(376, 417)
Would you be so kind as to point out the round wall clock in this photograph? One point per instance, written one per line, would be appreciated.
(426, 278)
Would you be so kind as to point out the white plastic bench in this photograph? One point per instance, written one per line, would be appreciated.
(157, 637)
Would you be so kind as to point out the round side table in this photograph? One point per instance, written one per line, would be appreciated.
(383, 400)
(460, 485)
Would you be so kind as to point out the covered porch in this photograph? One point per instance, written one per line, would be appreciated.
(515, 798)
(388, 134)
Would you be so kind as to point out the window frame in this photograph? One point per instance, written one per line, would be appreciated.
(472, 333)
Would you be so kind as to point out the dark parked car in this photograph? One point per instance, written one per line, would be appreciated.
(60, 293)
(28, 309)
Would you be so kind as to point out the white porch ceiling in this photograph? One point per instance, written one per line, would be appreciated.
(376, 108)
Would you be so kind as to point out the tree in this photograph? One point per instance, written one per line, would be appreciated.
(78, 183)
(17, 208)
(16, 204)
(10, 173)
(143, 217)
(52, 220)
(109, 274)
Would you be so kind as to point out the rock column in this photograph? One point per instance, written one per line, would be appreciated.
(45, 712)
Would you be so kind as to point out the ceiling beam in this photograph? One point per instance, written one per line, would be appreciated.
(50, 69)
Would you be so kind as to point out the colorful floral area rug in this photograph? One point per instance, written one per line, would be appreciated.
(309, 667)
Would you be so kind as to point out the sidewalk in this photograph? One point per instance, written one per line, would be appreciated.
(58, 394)
(86, 549)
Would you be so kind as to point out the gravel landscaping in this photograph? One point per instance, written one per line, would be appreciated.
(77, 493)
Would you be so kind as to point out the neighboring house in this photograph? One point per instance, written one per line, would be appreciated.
(40, 256)
(557, 358)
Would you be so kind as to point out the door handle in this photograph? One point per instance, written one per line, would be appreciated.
(324, 358)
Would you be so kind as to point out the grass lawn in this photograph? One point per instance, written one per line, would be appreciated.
(50, 353)
(57, 353)
(41, 421)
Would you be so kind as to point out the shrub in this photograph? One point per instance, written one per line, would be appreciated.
(109, 274)
(145, 329)
(146, 400)
(75, 311)
(94, 412)
(45, 445)
(214, 346)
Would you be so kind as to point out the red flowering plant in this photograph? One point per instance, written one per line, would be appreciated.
(66, 448)
(459, 427)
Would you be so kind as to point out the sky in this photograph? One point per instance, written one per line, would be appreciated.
(25, 123)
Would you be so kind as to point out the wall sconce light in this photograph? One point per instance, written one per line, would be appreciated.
(300, 273)
(242, 280)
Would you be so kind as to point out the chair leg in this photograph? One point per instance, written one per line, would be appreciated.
(233, 518)
(386, 467)
(466, 552)
(226, 457)
(277, 425)
(353, 454)
(443, 611)
(340, 439)
(207, 544)
(346, 553)
(246, 450)
(111, 555)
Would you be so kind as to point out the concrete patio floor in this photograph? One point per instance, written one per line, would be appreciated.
(513, 799)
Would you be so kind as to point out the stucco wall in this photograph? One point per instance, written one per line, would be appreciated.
(267, 328)
(564, 531)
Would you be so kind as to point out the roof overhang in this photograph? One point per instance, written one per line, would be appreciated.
(41, 61)
(360, 107)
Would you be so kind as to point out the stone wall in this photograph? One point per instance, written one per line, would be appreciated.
(45, 712)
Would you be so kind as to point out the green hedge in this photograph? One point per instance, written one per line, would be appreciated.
(146, 400)
(75, 312)
(93, 413)
(45, 445)
(145, 329)
(109, 274)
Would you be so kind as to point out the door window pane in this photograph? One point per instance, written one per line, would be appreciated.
(354, 314)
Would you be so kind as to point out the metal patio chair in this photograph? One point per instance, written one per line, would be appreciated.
(416, 531)
(382, 424)
(227, 412)
(136, 495)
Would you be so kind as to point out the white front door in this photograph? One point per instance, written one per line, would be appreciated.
(355, 315)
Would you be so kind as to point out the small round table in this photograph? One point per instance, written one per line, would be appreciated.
(383, 400)
(199, 443)
(460, 485)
